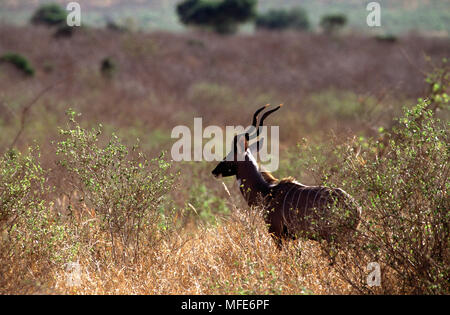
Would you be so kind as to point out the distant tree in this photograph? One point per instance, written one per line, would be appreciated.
(222, 16)
(280, 19)
(332, 23)
(51, 14)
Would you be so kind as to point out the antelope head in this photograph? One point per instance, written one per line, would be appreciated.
(242, 152)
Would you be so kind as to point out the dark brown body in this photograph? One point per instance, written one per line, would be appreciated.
(315, 212)
(294, 210)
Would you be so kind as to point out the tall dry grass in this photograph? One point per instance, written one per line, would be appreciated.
(236, 257)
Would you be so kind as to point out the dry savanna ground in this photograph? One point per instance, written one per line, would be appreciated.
(162, 227)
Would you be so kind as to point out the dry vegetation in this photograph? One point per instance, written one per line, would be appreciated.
(236, 257)
(197, 239)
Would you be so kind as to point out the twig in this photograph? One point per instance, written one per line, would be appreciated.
(25, 111)
(408, 59)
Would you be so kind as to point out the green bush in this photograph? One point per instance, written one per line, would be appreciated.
(33, 238)
(402, 187)
(206, 204)
(332, 23)
(19, 61)
(406, 226)
(125, 189)
(222, 16)
(51, 14)
(279, 19)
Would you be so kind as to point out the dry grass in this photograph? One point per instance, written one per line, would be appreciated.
(236, 257)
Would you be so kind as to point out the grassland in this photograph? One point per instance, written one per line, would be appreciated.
(334, 89)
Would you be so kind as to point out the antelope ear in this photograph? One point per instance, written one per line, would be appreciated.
(256, 146)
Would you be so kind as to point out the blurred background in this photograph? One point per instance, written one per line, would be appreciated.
(141, 67)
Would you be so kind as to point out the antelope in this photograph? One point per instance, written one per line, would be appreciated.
(291, 208)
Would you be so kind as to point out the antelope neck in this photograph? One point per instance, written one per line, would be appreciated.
(251, 182)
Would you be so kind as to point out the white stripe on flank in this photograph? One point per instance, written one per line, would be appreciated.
(318, 193)
(306, 203)
(292, 204)
(298, 198)
(284, 203)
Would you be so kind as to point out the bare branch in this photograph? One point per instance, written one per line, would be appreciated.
(25, 111)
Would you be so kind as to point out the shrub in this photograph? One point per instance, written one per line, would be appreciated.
(222, 16)
(333, 23)
(33, 239)
(19, 61)
(402, 187)
(406, 227)
(206, 204)
(123, 187)
(108, 67)
(279, 19)
(386, 38)
(51, 14)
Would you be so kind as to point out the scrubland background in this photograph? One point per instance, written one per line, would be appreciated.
(163, 227)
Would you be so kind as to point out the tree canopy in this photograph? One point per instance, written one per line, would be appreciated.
(280, 19)
(51, 14)
(222, 16)
(333, 22)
